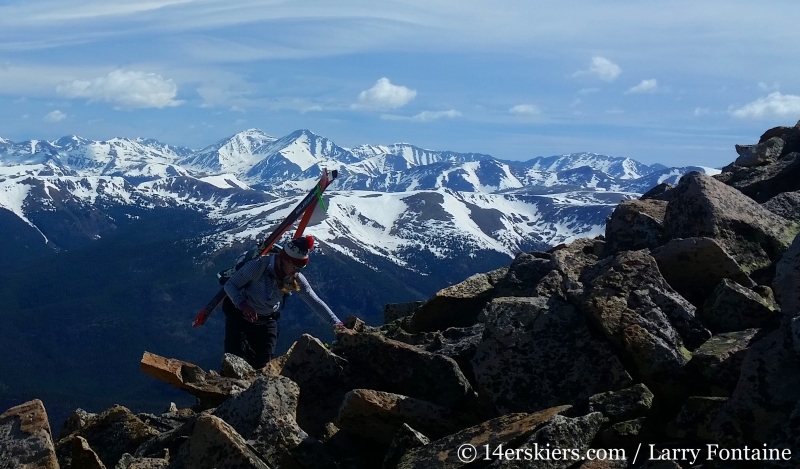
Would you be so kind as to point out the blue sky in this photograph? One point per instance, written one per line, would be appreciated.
(676, 82)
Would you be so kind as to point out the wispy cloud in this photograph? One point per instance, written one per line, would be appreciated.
(702, 111)
(601, 67)
(125, 90)
(646, 86)
(55, 116)
(525, 109)
(427, 116)
(774, 104)
(765, 87)
(384, 95)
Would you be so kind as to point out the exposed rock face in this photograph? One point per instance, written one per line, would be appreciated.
(404, 440)
(636, 224)
(548, 355)
(765, 152)
(705, 207)
(695, 266)
(215, 445)
(762, 183)
(235, 367)
(25, 437)
(787, 280)
(786, 204)
(629, 403)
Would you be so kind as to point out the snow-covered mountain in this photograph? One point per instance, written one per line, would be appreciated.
(391, 202)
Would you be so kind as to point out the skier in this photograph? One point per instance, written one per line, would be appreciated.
(256, 294)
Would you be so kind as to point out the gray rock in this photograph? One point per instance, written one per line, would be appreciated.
(77, 420)
(785, 204)
(636, 224)
(377, 416)
(235, 367)
(525, 272)
(762, 183)
(605, 464)
(787, 280)
(537, 353)
(662, 191)
(443, 453)
(395, 311)
(720, 359)
(638, 312)
(457, 305)
(404, 369)
(625, 435)
(705, 207)
(83, 456)
(693, 420)
(570, 261)
(324, 378)
(129, 462)
(767, 392)
(264, 415)
(25, 438)
(626, 404)
(167, 421)
(573, 434)
(111, 434)
(695, 266)
(216, 445)
(764, 153)
(732, 307)
(404, 440)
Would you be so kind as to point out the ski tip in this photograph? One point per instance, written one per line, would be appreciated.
(199, 319)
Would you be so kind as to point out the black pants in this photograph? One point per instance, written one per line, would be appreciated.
(253, 342)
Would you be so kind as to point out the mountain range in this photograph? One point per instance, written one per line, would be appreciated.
(110, 247)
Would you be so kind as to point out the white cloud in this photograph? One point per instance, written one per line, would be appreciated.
(646, 86)
(125, 89)
(385, 95)
(603, 68)
(702, 111)
(427, 116)
(55, 116)
(525, 109)
(775, 104)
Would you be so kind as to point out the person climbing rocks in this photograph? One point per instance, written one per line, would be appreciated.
(256, 295)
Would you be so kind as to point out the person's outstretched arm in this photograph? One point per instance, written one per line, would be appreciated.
(315, 302)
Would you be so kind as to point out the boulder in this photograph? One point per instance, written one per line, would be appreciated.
(720, 359)
(170, 420)
(264, 415)
(693, 420)
(404, 440)
(324, 378)
(77, 420)
(111, 434)
(168, 442)
(83, 457)
(636, 224)
(444, 453)
(457, 305)
(765, 396)
(762, 183)
(524, 273)
(538, 353)
(661, 191)
(779, 131)
(605, 464)
(787, 280)
(25, 437)
(765, 152)
(625, 435)
(626, 404)
(569, 261)
(210, 388)
(571, 435)
(785, 204)
(732, 307)
(214, 445)
(695, 266)
(705, 207)
(647, 321)
(378, 416)
(404, 369)
(129, 462)
(235, 367)
(395, 311)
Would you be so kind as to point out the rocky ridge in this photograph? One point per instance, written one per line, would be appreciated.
(678, 328)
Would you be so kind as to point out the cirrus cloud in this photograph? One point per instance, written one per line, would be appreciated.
(55, 116)
(125, 90)
(384, 95)
(427, 116)
(601, 67)
(774, 104)
(525, 109)
(646, 86)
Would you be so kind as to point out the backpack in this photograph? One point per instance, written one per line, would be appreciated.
(244, 258)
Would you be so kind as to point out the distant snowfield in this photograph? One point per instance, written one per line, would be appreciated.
(388, 200)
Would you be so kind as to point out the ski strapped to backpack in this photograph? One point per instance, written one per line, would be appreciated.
(303, 209)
